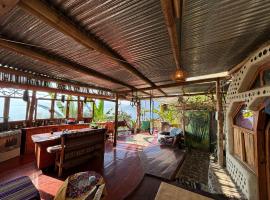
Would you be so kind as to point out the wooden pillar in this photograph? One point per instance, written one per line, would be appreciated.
(32, 108)
(52, 106)
(27, 110)
(93, 110)
(115, 121)
(36, 103)
(150, 116)
(67, 111)
(80, 107)
(6, 113)
(219, 125)
(138, 118)
(183, 124)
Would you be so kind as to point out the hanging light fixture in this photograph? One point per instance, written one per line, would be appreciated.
(179, 75)
(26, 95)
(134, 99)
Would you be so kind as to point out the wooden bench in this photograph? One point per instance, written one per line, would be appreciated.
(78, 147)
(27, 145)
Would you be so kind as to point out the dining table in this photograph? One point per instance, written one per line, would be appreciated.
(43, 141)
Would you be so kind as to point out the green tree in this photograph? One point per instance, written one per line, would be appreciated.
(171, 114)
(99, 111)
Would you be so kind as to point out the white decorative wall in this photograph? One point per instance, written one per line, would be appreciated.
(239, 92)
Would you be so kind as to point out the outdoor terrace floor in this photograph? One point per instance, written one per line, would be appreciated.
(122, 169)
(123, 172)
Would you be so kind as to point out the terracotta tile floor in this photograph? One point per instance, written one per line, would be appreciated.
(122, 170)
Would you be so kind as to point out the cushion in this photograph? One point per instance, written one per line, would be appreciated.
(175, 131)
(54, 149)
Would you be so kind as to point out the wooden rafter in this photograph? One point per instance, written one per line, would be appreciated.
(35, 75)
(57, 20)
(178, 95)
(169, 7)
(170, 85)
(45, 89)
(7, 5)
(52, 59)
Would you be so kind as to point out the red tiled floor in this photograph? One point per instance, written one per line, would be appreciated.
(122, 171)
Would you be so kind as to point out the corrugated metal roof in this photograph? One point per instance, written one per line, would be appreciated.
(16, 60)
(217, 35)
(135, 29)
(28, 29)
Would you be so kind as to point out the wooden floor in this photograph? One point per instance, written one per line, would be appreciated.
(122, 171)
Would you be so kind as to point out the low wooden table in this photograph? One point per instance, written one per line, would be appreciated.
(167, 191)
(43, 141)
(78, 187)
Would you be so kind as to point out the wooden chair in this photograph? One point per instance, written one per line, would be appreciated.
(77, 148)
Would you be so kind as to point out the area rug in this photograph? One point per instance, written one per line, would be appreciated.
(140, 139)
(162, 161)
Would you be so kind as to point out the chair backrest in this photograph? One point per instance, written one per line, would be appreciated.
(80, 144)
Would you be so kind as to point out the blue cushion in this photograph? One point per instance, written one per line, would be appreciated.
(175, 131)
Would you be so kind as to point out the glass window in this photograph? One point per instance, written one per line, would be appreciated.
(87, 109)
(244, 118)
(2, 101)
(43, 109)
(17, 109)
(73, 107)
(60, 109)
(266, 77)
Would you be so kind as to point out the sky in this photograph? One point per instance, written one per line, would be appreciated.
(126, 107)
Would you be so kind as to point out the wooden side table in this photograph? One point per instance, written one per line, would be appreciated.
(78, 187)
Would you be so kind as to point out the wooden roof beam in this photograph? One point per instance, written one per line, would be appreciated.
(169, 7)
(53, 60)
(7, 5)
(178, 95)
(45, 89)
(22, 72)
(170, 85)
(64, 25)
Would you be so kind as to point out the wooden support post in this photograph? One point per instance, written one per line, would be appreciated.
(67, 111)
(80, 107)
(32, 108)
(52, 106)
(6, 113)
(93, 111)
(220, 125)
(183, 124)
(138, 119)
(27, 110)
(150, 128)
(115, 121)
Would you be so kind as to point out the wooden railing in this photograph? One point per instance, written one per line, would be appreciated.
(244, 146)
